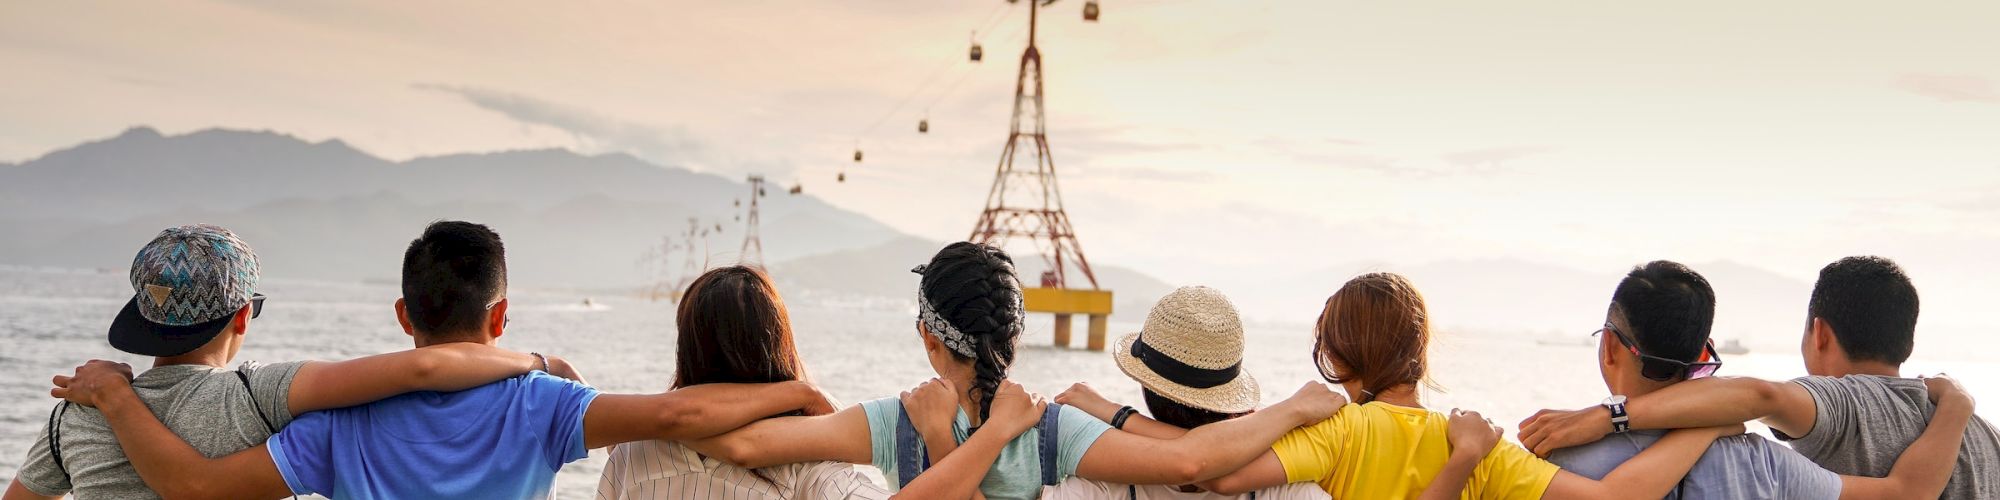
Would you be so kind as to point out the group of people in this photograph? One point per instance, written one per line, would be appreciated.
(458, 417)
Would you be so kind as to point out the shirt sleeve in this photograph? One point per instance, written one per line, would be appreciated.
(1308, 452)
(882, 415)
(1510, 472)
(39, 472)
(1799, 477)
(570, 401)
(1076, 432)
(271, 387)
(1833, 414)
(303, 452)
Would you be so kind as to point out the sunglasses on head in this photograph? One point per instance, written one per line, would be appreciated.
(1665, 369)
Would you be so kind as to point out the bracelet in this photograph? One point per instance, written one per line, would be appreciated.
(1118, 419)
(545, 361)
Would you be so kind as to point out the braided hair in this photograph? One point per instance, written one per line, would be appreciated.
(973, 287)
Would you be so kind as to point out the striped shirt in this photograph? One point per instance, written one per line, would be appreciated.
(646, 470)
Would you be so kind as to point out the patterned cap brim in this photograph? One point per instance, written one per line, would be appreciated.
(131, 332)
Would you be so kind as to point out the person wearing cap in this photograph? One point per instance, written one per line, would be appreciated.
(505, 439)
(1188, 360)
(194, 298)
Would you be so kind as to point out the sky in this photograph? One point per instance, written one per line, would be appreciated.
(1220, 142)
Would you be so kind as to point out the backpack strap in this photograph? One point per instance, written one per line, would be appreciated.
(1049, 444)
(243, 375)
(55, 435)
(911, 456)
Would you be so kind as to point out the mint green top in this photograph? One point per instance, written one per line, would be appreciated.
(1017, 474)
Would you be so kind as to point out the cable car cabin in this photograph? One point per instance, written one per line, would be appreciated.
(977, 53)
(924, 126)
(798, 188)
(1090, 11)
(857, 156)
(840, 178)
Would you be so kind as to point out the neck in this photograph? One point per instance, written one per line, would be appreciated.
(1640, 386)
(427, 340)
(962, 379)
(1404, 395)
(205, 357)
(1874, 368)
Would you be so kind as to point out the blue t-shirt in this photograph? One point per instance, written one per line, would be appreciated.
(500, 440)
(1734, 467)
(1017, 474)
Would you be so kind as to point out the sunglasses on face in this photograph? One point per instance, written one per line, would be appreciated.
(1664, 369)
(256, 305)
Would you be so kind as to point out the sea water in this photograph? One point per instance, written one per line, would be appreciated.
(54, 319)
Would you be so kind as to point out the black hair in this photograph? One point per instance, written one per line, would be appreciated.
(1871, 305)
(1179, 415)
(1668, 308)
(973, 287)
(450, 275)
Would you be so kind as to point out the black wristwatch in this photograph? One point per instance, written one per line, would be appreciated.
(1620, 422)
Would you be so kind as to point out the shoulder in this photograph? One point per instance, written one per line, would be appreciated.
(1597, 459)
(882, 410)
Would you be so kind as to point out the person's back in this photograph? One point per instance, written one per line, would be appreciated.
(1020, 471)
(210, 407)
(1080, 488)
(1864, 422)
(644, 470)
(500, 440)
(1380, 450)
(1745, 467)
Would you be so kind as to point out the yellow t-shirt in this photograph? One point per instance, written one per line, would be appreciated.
(1379, 450)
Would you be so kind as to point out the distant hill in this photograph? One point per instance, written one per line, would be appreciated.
(328, 211)
(884, 271)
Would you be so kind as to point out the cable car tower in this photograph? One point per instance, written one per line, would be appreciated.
(752, 253)
(1025, 202)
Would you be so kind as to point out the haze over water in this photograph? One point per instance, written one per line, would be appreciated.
(54, 319)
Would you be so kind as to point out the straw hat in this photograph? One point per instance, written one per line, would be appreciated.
(1191, 351)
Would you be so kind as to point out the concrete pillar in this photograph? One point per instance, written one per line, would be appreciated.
(1062, 330)
(1098, 323)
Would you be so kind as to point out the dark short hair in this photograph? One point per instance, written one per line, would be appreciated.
(1174, 413)
(1871, 306)
(450, 275)
(1668, 308)
(733, 328)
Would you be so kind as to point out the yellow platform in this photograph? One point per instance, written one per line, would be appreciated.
(1064, 302)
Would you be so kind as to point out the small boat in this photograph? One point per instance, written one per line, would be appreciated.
(1733, 347)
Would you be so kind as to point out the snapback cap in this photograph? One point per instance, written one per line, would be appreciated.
(187, 283)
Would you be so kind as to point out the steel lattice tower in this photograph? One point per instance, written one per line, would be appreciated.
(753, 245)
(1026, 201)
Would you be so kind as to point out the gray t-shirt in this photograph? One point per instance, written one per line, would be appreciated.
(1735, 467)
(206, 406)
(1865, 421)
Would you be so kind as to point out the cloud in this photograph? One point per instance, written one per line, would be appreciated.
(1950, 88)
(1489, 159)
(594, 133)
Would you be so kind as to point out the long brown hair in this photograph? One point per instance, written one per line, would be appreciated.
(733, 328)
(1376, 328)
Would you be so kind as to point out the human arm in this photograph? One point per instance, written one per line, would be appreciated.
(456, 366)
(842, 437)
(1471, 436)
(1081, 396)
(1715, 401)
(18, 491)
(1013, 412)
(1924, 469)
(167, 464)
(1208, 452)
(693, 412)
(932, 407)
(1651, 474)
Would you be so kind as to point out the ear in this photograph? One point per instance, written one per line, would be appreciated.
(496, 320)
(931, 344)
(240, 323)
(1823, 340)
(1605, 355)
(403, 316)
